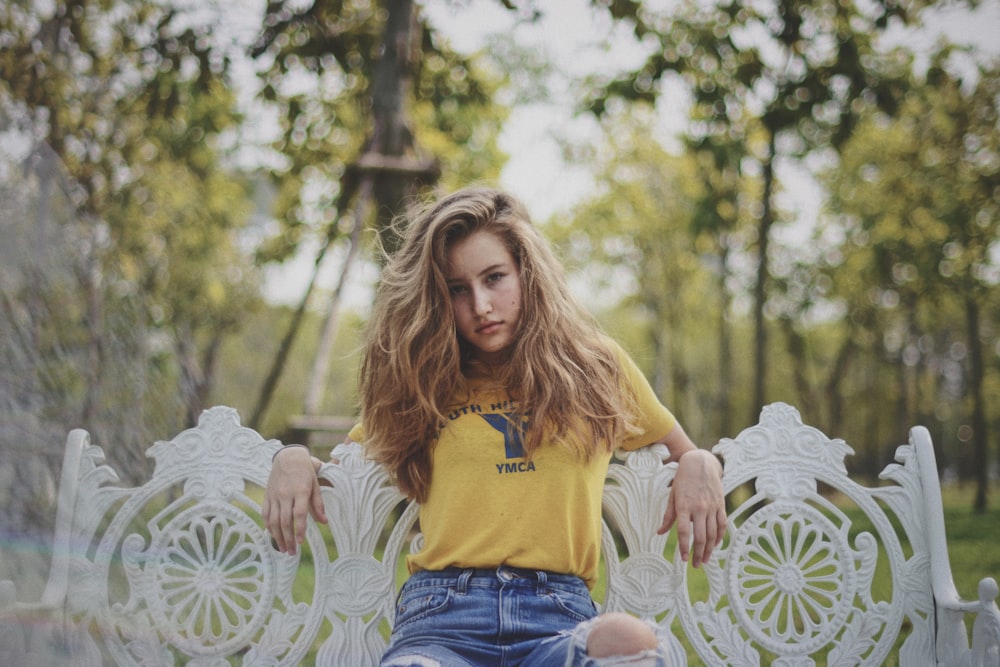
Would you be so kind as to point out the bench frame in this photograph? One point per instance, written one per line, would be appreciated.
(181, 570)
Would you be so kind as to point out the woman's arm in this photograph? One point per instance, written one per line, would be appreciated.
(697, 504)
(292, 491)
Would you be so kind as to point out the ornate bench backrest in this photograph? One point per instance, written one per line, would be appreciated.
(796, 578)
(181, 571)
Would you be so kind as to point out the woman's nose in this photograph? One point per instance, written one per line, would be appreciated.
(481, 303)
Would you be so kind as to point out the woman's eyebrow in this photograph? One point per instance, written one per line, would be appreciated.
(493, 269)
(499, 266)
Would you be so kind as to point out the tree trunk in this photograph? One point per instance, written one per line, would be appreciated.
(197, 375)
(285, 347)
(833, 392)
(381, 165)
(384, 173)
(760, 289)
(725, 344)
(796, 344)
(391, 135)
(317, 381)
(979, 439)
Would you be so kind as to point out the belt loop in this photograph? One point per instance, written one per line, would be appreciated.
(463, 582)
(542, 579)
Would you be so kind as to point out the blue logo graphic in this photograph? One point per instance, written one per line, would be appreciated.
(511, 436)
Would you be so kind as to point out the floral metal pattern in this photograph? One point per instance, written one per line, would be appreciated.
(792, 583)
(180, 570)
(210, 584)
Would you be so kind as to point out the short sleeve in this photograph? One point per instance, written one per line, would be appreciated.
(653, 418)
(357, 433)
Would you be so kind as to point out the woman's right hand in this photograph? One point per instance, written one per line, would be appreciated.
(292, 491)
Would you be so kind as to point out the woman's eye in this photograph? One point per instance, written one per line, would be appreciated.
(493, 277)
(456, 289)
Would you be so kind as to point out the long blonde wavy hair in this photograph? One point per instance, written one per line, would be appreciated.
(562, 371)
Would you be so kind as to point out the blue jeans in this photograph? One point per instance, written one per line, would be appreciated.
(507, 617)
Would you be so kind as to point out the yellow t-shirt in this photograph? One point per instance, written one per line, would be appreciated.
(487, 506)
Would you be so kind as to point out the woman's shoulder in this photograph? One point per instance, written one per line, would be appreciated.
(614, 348)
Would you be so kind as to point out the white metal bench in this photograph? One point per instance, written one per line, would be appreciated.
(180, 570)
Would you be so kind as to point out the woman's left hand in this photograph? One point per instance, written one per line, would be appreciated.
(697, 506)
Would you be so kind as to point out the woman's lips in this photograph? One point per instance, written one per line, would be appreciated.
(488, 328)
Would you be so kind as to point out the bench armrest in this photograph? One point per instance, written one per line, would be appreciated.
(950, 607)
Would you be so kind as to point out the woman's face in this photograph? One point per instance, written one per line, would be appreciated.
(485, 287)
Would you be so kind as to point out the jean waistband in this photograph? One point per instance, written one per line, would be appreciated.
(462, 578)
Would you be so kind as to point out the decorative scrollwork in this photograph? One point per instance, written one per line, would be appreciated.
(794, 581)
(358, 584)
(208, 586)
(648, 583)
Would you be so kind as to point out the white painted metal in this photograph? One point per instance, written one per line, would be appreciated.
(180, 570)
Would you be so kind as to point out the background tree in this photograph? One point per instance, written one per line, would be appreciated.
(122, 222)
(133, 102)
(639, 242)
(778, 80)
(921, 189)
(369, 79)
(723, 209)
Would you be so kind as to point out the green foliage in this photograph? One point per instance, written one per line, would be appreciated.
(921, 187)
(655, 243)
(137, 100)
(460, 132)
(766, 82)
(319, 72)
(261, 333)
(140, 209)
(919, 219)
(876, 306)
(137, 103)
(803, 66)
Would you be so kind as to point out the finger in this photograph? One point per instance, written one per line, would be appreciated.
(301, 509)
(698, 544)
(668, 518)
(683, 537)
(274, 525)
(286, 528)
(711, 538)
(271, 515)
(265, 515)
(317, 509)
(715, 530)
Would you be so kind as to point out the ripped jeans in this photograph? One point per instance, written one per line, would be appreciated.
(507, 617)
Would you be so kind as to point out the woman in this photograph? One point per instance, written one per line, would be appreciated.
(494, 400)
